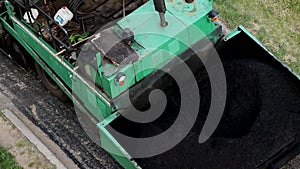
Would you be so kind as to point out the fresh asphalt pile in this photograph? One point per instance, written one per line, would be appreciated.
(273, 139)
(276, 126)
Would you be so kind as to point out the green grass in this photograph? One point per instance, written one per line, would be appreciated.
(21, 143)
(31, 164)
(275, 23)
(7, 160)
(3, 116)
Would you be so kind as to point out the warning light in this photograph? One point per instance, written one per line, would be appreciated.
(214, 19)
(120, 78)
(213, 15)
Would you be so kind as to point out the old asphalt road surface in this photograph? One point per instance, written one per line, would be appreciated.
(58, 120)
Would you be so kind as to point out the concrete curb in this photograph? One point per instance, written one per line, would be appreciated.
(46, 146)
(33, 139)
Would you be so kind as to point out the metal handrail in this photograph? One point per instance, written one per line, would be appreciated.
(27, 5)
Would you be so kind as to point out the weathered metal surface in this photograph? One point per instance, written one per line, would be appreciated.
(114, 48)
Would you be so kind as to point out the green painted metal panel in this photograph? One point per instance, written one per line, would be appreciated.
(62, 69)
(148, 33)
(187, 12)
(94, 104)
(112, 88)
(108, 142)
(12, 32)
(185, 28)
(43, 50)
(146, 46)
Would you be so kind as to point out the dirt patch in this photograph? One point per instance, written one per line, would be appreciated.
(293, 164)
(26, 154)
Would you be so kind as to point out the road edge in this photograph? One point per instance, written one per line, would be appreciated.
(35, 135)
